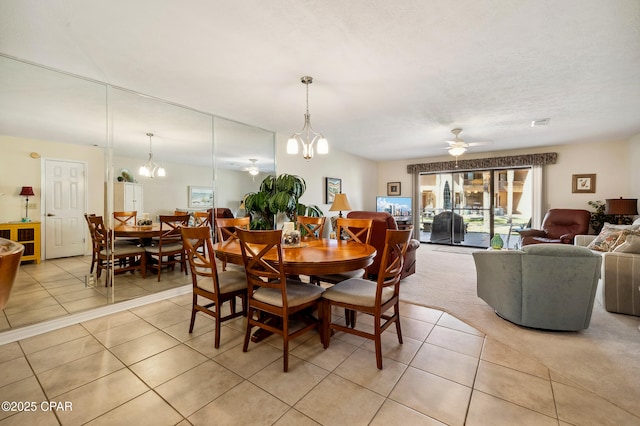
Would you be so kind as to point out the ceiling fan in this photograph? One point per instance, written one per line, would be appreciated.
(253, 168)
(458, 146)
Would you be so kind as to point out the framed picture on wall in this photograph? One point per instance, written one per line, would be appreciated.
(583, 184)
(200, 196)
(333, 186)
(393, 188)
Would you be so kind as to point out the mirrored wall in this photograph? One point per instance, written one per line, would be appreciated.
(52, 123)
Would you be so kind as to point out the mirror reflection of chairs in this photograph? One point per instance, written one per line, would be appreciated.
(272, 297)
(129, 257)
(169, 249)
(217, 288)
(368, 297)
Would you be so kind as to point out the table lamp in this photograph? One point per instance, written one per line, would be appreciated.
(621, 207)
(340, 202)
(27, 191)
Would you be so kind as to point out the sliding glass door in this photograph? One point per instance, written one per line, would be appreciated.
(467, 208)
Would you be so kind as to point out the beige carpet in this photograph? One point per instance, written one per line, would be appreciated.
(604, 359)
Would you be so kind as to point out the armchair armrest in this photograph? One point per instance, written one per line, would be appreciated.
(532, 233)
(583, 240)
(567, 238)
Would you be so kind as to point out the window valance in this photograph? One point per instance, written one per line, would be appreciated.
(485, 163)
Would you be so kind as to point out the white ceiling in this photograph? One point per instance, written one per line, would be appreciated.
(391, 79)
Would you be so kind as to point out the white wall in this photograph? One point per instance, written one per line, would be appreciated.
(615, 163)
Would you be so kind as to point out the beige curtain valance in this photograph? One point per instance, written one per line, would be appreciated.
(485, 163)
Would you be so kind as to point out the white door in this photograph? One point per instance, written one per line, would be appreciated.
(64, 192)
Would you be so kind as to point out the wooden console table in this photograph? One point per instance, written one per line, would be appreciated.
(25, 233)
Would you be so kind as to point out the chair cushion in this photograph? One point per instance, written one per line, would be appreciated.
(336, 278)
(165, 248)
(356, 291)
(124, 250)
(229, 281)
(298, 293)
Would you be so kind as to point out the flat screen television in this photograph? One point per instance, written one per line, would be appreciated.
(395, 206)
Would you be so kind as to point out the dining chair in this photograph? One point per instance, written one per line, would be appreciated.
(369, 297)
(311, 227)
(202, 218)
(358, 231)
(169, 250)
(129, 257)
(125, 218)
(218, 288)
(272, 297)
(94, 247)
(226, 232)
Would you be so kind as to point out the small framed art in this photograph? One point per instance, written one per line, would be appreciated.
(583, 184)
(393, 188)
(200, 196)
(333, 186)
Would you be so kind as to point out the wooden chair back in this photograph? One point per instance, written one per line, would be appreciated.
(125, 218)
(357, 230)
(202, 218)
(200, 255)
(226, 227)
(311, 227)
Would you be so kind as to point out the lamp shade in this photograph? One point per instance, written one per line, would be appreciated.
(340, 202)
(622, 206)
(27, 191)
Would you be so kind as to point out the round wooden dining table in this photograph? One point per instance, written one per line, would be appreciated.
(135, 231)
(313, 257)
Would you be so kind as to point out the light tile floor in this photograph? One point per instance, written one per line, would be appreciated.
(141, 366)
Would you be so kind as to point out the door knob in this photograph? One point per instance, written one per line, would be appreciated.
(50, 214)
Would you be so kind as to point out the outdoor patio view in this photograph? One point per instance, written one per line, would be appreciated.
(468, 208)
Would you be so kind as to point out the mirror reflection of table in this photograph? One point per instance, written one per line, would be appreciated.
(314, 257)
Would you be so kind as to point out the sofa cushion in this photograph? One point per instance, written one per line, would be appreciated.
(606, 240)
(631, 243)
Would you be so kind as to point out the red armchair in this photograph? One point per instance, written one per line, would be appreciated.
(381, 222)
(558, 226)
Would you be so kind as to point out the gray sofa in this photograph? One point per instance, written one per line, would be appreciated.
(620, 279)
(545, 286)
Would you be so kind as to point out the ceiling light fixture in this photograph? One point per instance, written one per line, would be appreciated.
(307, 137)
(253, 169)
(457, 150)
(151, 169)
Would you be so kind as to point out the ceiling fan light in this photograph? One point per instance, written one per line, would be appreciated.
(457, 150)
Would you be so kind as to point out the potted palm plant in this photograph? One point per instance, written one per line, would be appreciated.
(278, 194)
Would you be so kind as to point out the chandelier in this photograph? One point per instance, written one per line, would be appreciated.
(307, 137)
(151, 169)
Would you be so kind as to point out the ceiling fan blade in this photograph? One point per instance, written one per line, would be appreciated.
(479, 143)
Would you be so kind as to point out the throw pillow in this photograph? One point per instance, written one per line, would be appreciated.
(605, 241)
(631, 245)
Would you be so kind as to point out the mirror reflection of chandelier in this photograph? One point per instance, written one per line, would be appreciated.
(151, 169)
(307, 137)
